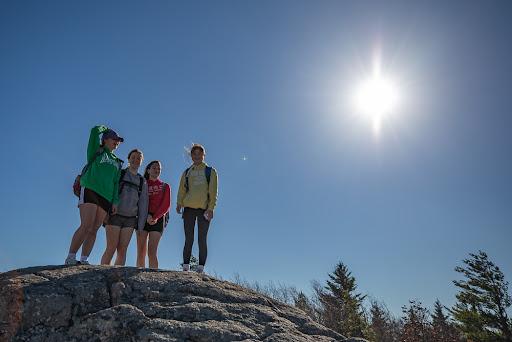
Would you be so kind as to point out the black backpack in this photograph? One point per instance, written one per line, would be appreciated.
(122, 182)
(207, 173)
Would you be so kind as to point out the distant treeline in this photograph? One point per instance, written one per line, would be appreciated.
(479, 314)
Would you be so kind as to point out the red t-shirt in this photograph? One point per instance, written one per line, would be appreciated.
(159, 198)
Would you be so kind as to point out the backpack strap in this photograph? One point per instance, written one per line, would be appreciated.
(166, 187)
(208, 173)
(98, 153)
(122, 182)
(186, 178)
(141, 184)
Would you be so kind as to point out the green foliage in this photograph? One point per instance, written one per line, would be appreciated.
(416, 325)
(442, 329)
(482, 301)
(302, 302)
(341, 308)
(193, 263)
(384, 327)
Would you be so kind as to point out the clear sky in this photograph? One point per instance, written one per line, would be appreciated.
(305, 182)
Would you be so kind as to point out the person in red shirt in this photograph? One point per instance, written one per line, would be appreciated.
(159, 204)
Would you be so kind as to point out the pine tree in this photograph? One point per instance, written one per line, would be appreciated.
(385, 328)
(482, 301)
(442, 329)
(341, 306)
(416, 325)
(303, 303)
(193, 263)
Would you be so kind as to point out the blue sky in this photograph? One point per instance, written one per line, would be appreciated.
(304, 181)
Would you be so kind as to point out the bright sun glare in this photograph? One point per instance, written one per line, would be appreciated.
(376, 97)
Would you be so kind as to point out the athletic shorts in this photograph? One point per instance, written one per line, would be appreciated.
(123, 221)
(90, 196)
(157, 227)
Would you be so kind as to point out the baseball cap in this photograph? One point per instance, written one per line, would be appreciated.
(111, 134)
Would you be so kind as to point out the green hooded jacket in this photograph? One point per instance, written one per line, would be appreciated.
(102, 175)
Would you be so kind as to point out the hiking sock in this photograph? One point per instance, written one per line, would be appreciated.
(72, 256)
(84, 258)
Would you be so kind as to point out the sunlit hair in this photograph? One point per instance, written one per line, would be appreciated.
(146, 171)
(135, 150)
(197, 147)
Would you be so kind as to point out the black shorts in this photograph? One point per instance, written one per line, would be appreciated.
(90, 196)
(157, 227)
(123, 221)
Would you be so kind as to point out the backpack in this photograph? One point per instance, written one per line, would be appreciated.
(122, 182)
(76, 184)
(207, 173)
(166, 216)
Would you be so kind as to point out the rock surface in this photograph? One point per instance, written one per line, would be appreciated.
(102, 303)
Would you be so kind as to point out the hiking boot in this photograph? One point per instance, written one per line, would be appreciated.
(85, 262)
(200, 269)
(186, 268)
(70, 261)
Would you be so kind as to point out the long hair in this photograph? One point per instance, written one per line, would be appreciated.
(146, 171)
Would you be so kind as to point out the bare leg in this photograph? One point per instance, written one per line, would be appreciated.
(112, 241)
(100, 216)
(142, 238)
(154, 239)
(124, 240)
(87, 219)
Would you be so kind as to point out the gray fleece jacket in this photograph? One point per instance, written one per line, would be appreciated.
(130, 204)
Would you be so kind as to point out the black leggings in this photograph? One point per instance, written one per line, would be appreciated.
(189, 221)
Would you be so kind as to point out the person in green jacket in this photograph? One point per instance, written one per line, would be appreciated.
(99, 193)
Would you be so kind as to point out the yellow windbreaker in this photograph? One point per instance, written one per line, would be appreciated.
(199, 195)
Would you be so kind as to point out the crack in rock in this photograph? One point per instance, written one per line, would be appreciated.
(101, 303)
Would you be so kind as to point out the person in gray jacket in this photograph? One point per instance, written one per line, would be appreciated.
(131, 213)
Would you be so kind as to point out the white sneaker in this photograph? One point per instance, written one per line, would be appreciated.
(70, 261)
(186, 268)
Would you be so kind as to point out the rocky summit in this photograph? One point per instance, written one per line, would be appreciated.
(103, 303)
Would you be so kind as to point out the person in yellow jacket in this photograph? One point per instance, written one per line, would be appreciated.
(197, 198)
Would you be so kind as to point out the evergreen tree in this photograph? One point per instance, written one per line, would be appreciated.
(442, 329)
(193, 263)
(341, 306)
(384, 327)
(482, 301)
(416, 325)
(303, 303)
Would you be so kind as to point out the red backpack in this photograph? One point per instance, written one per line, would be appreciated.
(76, 185)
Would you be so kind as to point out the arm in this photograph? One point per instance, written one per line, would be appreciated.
(115, 198)
(212, 190)
(181, 190)
(143, 206)
(181, 194)
(166, 203)
(94, 141)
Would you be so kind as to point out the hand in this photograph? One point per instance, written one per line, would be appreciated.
(114, 209)
(209, 214)
(153, 222)
(178, 209)
(149, 219)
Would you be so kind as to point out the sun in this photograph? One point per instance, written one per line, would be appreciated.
(376, 97)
